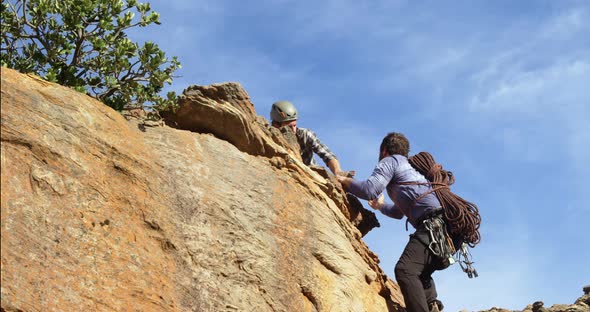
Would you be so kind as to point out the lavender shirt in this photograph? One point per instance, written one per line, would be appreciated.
(390, 171)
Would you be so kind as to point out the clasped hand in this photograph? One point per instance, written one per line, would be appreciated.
(377, 203)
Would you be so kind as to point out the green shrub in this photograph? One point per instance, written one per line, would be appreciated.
(82, 44)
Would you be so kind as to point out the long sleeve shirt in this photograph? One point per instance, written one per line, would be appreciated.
(387, 175)
(309, 144)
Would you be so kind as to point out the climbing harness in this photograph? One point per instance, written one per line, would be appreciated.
(442, 246)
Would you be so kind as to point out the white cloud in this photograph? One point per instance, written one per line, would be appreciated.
(532, 108)
(567, 24)
(508, 89)
(543, 69)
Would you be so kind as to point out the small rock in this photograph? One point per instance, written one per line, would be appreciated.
(538, 307)
(153, 123)
(585, 300)
(370, 276)
(278, 162)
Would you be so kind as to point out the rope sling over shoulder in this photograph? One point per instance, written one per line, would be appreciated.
(461, 217)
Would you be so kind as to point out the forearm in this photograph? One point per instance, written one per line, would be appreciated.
(391, 210)
(365, 189)
(373, 186)
(345, 181)
(334, 165)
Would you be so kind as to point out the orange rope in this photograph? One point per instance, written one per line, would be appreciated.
(462, 216)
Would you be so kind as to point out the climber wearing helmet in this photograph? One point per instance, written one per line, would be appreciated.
(284, 114)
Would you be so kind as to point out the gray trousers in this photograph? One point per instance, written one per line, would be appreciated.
(413, 272)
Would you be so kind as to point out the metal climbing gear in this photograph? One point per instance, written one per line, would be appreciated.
(466, 263)
(440, 244)
(443, 247)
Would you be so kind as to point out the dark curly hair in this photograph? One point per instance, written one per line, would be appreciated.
(395, 143)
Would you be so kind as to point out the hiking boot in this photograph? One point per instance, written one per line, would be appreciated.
(436, 306)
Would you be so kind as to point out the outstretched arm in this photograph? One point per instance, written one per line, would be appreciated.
(375, 184)
(321, 150)
(345, 181)
(334, 165)
(311, 141)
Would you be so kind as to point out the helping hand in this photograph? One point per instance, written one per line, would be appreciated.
(377, 203)
(341, 178)
(348, 174)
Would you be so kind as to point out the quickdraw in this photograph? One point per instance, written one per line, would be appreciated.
(466, 264)
(442, 246)
(440, 243)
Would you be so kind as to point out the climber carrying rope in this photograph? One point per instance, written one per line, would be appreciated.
(445, 223)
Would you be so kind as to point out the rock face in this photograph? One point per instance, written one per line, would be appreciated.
(100, 213)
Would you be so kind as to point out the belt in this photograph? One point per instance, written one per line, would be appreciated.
(429, 215)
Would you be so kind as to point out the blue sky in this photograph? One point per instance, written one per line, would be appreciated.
(497, 91)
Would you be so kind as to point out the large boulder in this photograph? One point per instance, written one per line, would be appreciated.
(100, 213)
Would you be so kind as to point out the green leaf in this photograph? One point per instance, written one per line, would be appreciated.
(104, 56)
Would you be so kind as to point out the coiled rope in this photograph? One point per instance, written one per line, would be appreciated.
(462, 216)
